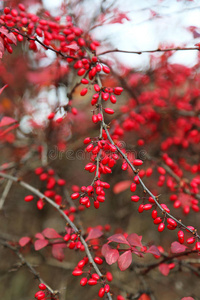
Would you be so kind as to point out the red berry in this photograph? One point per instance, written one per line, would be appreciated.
(161, 170)
(61, 182)
(101, 292)
(95, 276)
(191, 240)
(157, 220)
(154, 214)
(42, 286)
(28, 198)
(133, 187)
(96, 204)
(171, 222)
(92, 281)
(83, 281)
(77, 272)
(135, 198)
(109, 276)
(38, 171)
(67, 237)
(40, 204)
(109, 111)
(21, 7)
(81, 264)
(197, 246)
(96, 87)
(84, 92)
(149, 172)
(87, 140)
(141, 208)
(118, 90)
(95, 119)
(84, 81)
(106, 69)
(98, 260)
(161, 227)
(81, 72)
(113, 99)
(75, 196)
(137, 162)
(147, 206)
(6, 10)
(40, 295)
(107, 288)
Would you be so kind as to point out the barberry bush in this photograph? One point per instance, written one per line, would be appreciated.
(99, 165)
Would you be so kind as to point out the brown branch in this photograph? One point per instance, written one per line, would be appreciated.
(35, 39)
(149, 51)
(165, 259)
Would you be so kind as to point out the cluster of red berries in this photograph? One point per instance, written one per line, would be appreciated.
(41, 295)
(64, 38)
(92, 278)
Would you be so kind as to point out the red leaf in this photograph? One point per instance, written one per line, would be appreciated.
(144, 297)
(5, 121)
(50, 233)
(24, 241)
(176, 247)
(74, 47)
(134, 240)
(9, 35)
(153, 250)
(111, 255)
(121, 186)
(164, 269)
(5, 86)
(8, 129)
(39, 236)
(118, 238)
(104, 249)
(125, 260)
(39, 244)
(57, 251)
(94, 234)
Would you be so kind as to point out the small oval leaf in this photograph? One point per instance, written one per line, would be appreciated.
(94, 234)
(50, 233)
(176, 247)
(125, 260)
(24, 241)
(118, 238)
(39, 244)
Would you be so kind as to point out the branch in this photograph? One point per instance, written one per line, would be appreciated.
(28, 265)
(149, 51)
(144, 186)
(5, 193)
(57, 207)
(166, 258)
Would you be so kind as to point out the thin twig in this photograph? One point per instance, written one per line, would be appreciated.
(27, 264)
(149, 51)
(5, 192)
